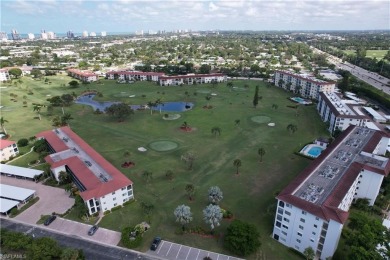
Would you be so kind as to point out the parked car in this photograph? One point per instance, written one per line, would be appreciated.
(49, 220)
(156, 242)
(92, 230)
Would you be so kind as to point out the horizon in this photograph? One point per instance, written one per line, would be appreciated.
(27, 16)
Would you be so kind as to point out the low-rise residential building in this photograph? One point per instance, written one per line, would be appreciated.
(313, 208)
(307, 86)
(83, 75)
(8, 150)
(134, 75)
(4, 75)
(340, 113)
(191, 79)
(101, 185)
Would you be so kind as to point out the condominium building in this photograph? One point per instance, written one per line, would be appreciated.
(134, 75)
(8, 149)
(3, 37)
(313, 208)
(83, 75)
(100, 184)
(340, 113)
(4, 75)
(191, 79)
(307, 86)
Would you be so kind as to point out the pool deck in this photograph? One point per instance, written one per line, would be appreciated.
(307, 148)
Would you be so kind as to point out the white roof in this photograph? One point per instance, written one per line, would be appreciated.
(374, 114)
(19, 171)
(371, 125)
(15, 193)
(6, 205)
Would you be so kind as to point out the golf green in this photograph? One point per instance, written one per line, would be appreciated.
(163, 146)
(261, 119)
(172, 117)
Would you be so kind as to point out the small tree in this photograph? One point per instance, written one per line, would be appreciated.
(190, 189)
(215, 195)
(237, 163)
(309, 253)
(183, 215)
(256, 97)
(189, 158)
(169, 175)
(261, 153)
(292, 128)
(22, 142)
(216, 131)
(242, 238)
(212, 215)
(147, 208)
(119, 111)
(148, 175)
(74, 83)
(2, 122)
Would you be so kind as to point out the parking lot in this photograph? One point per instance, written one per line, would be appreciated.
(169, 250)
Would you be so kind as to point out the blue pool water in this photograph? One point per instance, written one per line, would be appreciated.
(315, 151)
(166, 107)
(301, 100)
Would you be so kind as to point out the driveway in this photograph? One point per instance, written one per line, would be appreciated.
(172, 251)
(51, 199)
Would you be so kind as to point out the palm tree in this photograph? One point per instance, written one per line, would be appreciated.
(56, 121)
(208, 98)
(230, 85)
(160, 103)
(292, 128)
(237, 163)
(2, 122)
(261, 153)
(148, 175)
(151, 105)
(183, 215)
(212, 215)
(190, 189)
(237, 122)
(66, 118)
(216, 131)
(37, 108)
(298, 89)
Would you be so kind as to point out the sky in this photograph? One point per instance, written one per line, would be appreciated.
(60, 16)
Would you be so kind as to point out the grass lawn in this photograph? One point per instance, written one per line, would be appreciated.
(249, 195)
(378, 54)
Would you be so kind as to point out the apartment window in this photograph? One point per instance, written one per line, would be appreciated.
(124, 194)
(286, 219)
(297, 248)
(284, 233)
(311, 239)
(302, 220)
(123, 188)
(286, 227)
(304, 212)
(313, 233)
(104, 202)
(317, 218)
(299, 234)
(315, 226)
(287, 213)
(288, 205)
(113, 193)
(279, 217)
(115, 204)
(280, 211)
(278, 224)
(281, 204)
(298, 240)
(103, 197)
(114, 199)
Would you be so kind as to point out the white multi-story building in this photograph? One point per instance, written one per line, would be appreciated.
(101, 185)
(313, 208)
(3, 37)
(83, 75)
(340, 113)
(134, 75)
(31, 36)
(4, 75)
(8, 149)
(306, 86)
(191, 79)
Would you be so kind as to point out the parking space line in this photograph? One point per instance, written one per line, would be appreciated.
(160, 247)
(198, 254)
(178, 251)
(169, 249)
(189, 250)
(218, 256)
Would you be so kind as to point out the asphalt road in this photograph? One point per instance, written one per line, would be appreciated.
(92, 250)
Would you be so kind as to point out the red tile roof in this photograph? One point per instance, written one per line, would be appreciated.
(94, 187)
(136, 73)
(192, 76)
(329, 208)
(6, 143)
(82, 73)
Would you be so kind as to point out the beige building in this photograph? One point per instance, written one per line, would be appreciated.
(8, 149)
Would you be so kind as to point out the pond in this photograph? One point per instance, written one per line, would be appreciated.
(166, 107)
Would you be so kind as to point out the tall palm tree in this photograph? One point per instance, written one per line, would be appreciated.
(2, 122)
(160, 103)
(261, 153)
(230, 85)
(66, 118)
(292, 128)
(216, 131)
(208, 98)
(237, 163)
(151, 105)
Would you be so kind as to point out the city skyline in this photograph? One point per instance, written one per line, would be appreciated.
(130, 15)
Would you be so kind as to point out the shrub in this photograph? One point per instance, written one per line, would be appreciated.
(116, 208)
(106, 212)
(130, 243)
(22, 142)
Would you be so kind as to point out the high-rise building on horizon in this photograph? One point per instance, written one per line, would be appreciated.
(31, 36)
(92, 34)
(15, 35)
(85, 34)
(3, 36)
(103, 34)
(70, 35)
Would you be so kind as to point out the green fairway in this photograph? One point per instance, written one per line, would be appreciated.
(378, 54)
(250, 195)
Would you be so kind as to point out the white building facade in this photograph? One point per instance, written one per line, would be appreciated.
(85, 76)
(192, 79)
(313, 208)
(8, 149)
(134, 75)
(306, 86)
(4, 75)
(340, 113)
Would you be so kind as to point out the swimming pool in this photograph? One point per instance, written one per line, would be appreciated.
(312, 150)
(301, 100)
